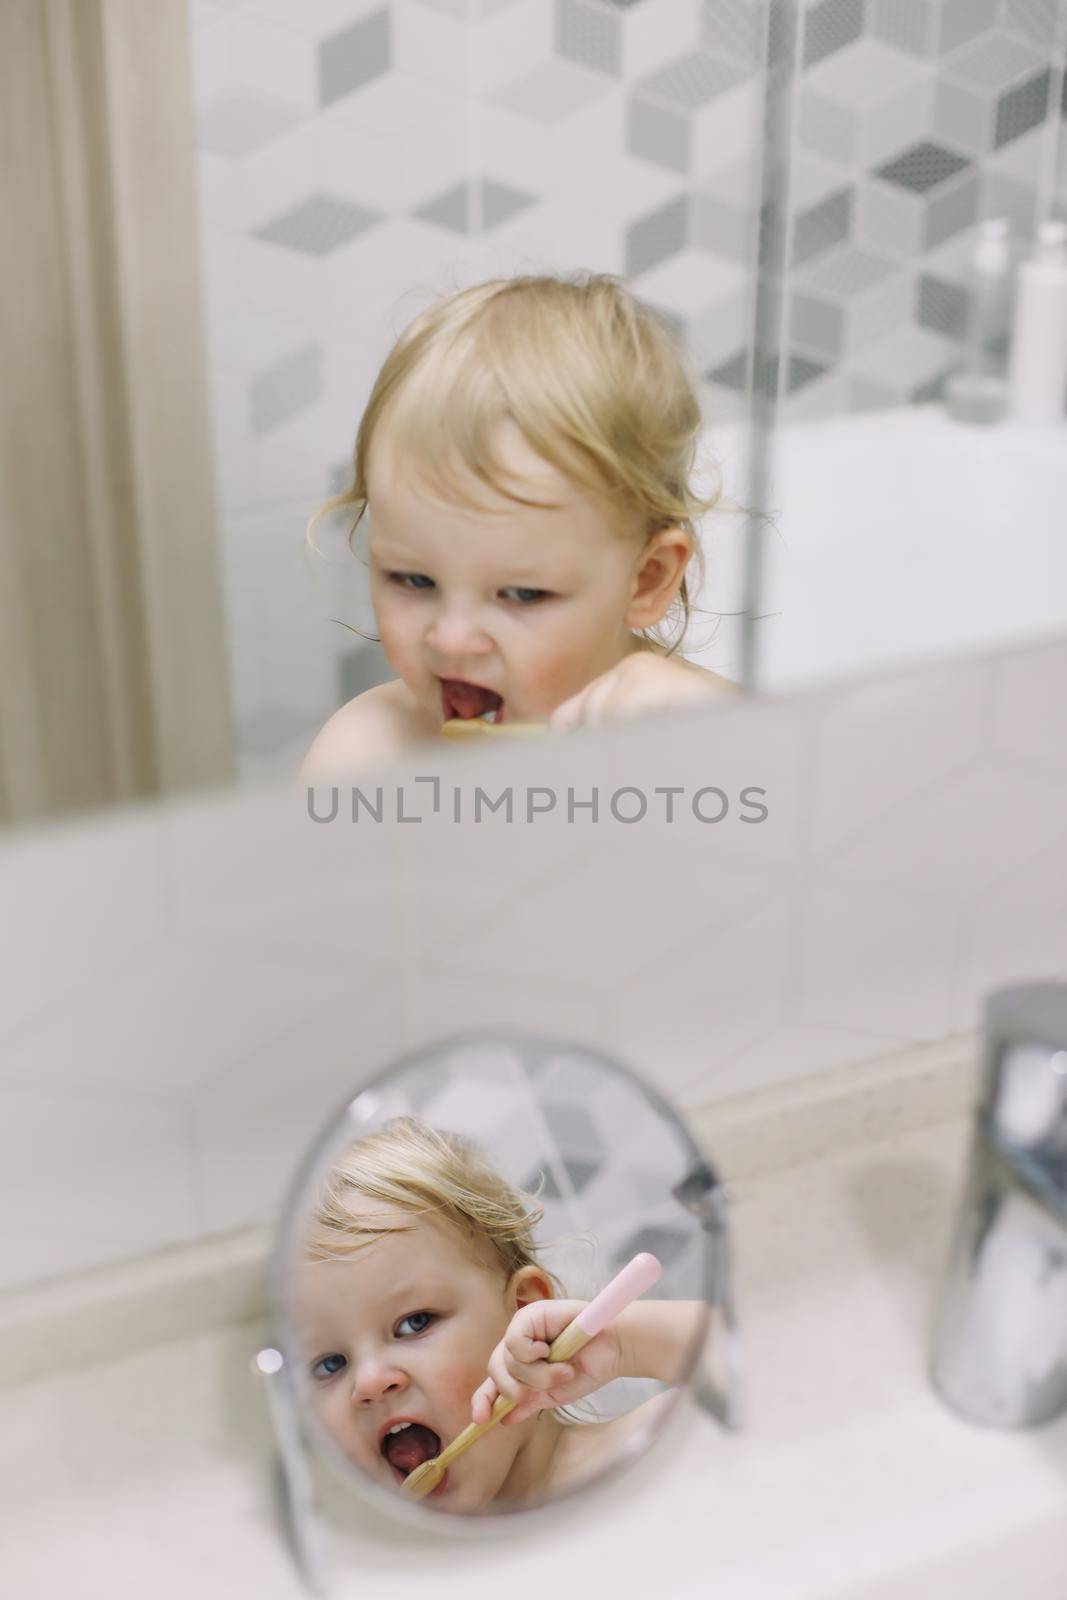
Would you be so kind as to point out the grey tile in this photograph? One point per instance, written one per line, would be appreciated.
(889, 218)
(355, 56)
(817, 325)
(550, 92)
(822, 226)
(828, 26)
(931, 390)
(801, 370)
(941, 305)
(872, 315)
(238, 124)
(848, 272)
(572, 1127)
(930, 28)
(1036, 19)
(712, 334)
(658, 133)
(908, 24)
(542, 1182)
(693, 80)
(911, 357)
(734, 27)
(459, 207)
(587, 34)
(663, 1243)
(923, 167)
(963, 20)
(863, 395)
(581, 1170)
(963, 117)
(1003, 196)
(279, 392)
(951, 212)
(723, 228)
(657, 237)
(1022, 108)
(731, 374)
(318, 225)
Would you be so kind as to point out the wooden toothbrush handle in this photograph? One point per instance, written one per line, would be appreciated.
(563, 1346)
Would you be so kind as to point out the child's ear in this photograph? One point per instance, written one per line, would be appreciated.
(658, 576)
(527, 1285)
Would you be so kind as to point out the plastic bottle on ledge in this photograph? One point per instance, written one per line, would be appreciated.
(979, 391)
(1038, 381)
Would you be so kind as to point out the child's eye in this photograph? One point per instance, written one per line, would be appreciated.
(329, 1366)
(528, 597)
(418, 580)
(424, 1318)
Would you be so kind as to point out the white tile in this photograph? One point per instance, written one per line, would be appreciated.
(588, 924)
(1014, 931)
(253, 1122)
(1030, 707)
(885, 739)
(447, 1000)
(177, 1014)
(878, 960)
(99, 1170)
(863, 74)
(80, 898)
(246, 53)
(679, 1016)
(958, 834)
(242, 862)
(316, 18)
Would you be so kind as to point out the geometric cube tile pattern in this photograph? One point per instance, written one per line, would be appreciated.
(617, 136)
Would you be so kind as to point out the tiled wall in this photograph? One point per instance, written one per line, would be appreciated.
(357, 158)
(187, 991)
(913, 120)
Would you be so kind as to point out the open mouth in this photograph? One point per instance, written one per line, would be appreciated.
(470, 701)
(406, 1445)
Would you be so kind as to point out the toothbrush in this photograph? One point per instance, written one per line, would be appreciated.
(637, 1276)
(460, 728)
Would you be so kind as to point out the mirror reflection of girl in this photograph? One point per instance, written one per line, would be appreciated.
(420, 1298)
(525, 458)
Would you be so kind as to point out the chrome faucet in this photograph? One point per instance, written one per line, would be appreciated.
(1000, 1343)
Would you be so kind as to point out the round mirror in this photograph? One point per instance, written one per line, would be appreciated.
(450, 1221)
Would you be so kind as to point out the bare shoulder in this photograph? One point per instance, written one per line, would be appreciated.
(375, 725)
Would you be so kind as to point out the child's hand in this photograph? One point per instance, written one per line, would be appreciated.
(639, 683)
(518, 1366)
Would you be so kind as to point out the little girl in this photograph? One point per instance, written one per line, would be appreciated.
(420, 1277)
(525, 457)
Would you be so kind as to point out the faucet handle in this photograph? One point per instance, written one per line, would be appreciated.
(1024, 1100)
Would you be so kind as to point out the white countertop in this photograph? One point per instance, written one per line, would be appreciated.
(148, 1474)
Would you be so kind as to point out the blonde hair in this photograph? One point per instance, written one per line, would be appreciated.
(594, 379)
(412, 1168)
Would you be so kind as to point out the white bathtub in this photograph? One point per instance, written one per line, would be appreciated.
(898, 536)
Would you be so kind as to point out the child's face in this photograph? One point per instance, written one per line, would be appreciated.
(404, 1330)
(529, 602)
